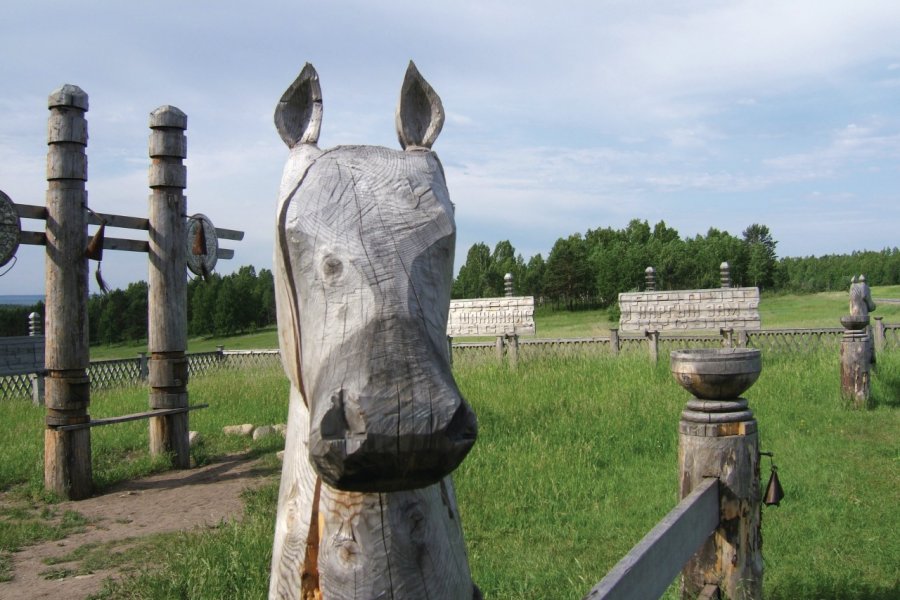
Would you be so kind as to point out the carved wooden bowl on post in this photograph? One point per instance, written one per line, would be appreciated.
(718, 437)
(364, 252)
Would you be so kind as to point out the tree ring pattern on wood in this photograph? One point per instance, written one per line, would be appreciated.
(200, 264)
(10, 229)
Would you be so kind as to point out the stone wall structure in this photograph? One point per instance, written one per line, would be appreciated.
(685, 310)
(491, 316)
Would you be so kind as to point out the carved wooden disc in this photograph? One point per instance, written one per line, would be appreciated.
(202, 264)
(10, 229)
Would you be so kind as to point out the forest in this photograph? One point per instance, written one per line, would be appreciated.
(581, 271)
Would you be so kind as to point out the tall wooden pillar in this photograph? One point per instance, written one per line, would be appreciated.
(67, 454)
(718, 438)
(167, 303)
(857, 352)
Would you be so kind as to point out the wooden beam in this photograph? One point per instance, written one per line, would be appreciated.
(648, 569)
(110, 243)
(229, 234)
(119, 221)
(30, 211)
(132, 417)
(224, 253)
(33, 238)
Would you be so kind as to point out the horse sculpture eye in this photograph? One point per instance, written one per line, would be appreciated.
(332, 268)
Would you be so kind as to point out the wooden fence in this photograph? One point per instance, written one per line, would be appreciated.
(123, 372)
(133, 371)
(886, 337)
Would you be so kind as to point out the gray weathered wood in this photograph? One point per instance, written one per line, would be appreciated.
(733, 557)
(132, 417)
(856, 364)
(363, 266)
(649, 568)
(67, 455)
(167, 302)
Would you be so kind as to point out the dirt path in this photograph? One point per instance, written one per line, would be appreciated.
(204, 496)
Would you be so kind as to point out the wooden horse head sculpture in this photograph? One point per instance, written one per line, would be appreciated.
(363, 269)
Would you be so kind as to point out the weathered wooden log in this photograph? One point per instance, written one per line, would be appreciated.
(498, 349)
(67, 454)
(653, 337)
(878, 333)
(856, 364)
(512, 344)
(363, 266)
(614, 341)
(167, 302)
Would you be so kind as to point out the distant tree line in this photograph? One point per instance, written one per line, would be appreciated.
(590, 270)
(581, 271)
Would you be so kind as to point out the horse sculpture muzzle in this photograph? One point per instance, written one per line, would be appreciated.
(367, 244)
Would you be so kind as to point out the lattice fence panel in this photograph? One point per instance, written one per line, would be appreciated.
(15, 387)
(203, 362)
(795, 340)
(113, 373)
(543, 349)
(245, 359)
(892, 337)
(473, 353)
(667, 344)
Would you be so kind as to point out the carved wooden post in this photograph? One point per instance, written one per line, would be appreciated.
(879, 334)
(508, 285)
(650, 279)
(168, 369)
(450, 348)
(857, 349)
(614, 341)
(742, 338)
(498, 349)
(718, 438)
(653, 337)
(512, 341)
(143, 369)
(67, 454)
(856, 361)
(36, 329)
(725, 274)
(727, 334)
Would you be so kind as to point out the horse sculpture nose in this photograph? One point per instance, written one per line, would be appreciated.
(358, 446)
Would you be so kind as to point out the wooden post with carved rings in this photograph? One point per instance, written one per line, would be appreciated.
(168, 367)
(67, 454)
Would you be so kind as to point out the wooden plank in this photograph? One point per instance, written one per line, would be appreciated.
(648, 569)
(120, 221)
(229, 234)
(132, 417)
(111, 243)
(224, 253)
(30, 211)
(33, 238)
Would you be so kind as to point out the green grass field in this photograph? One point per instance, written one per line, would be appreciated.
(576, 461)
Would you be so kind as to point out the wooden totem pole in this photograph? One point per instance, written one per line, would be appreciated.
(363, 267)
(857, 346)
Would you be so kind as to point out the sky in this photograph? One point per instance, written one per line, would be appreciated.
(561, 117)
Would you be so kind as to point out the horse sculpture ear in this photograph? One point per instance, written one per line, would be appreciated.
(298, 115)
(420, 114)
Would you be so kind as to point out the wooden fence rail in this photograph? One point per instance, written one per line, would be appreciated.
(651, 566)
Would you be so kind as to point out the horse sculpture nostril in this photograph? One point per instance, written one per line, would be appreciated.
(463, 426)
(334, 423)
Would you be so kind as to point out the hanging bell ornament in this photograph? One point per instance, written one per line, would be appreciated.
(774, 491)
(199, 246)
(94, 249)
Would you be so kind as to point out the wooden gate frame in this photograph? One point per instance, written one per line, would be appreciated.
(67, 441)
